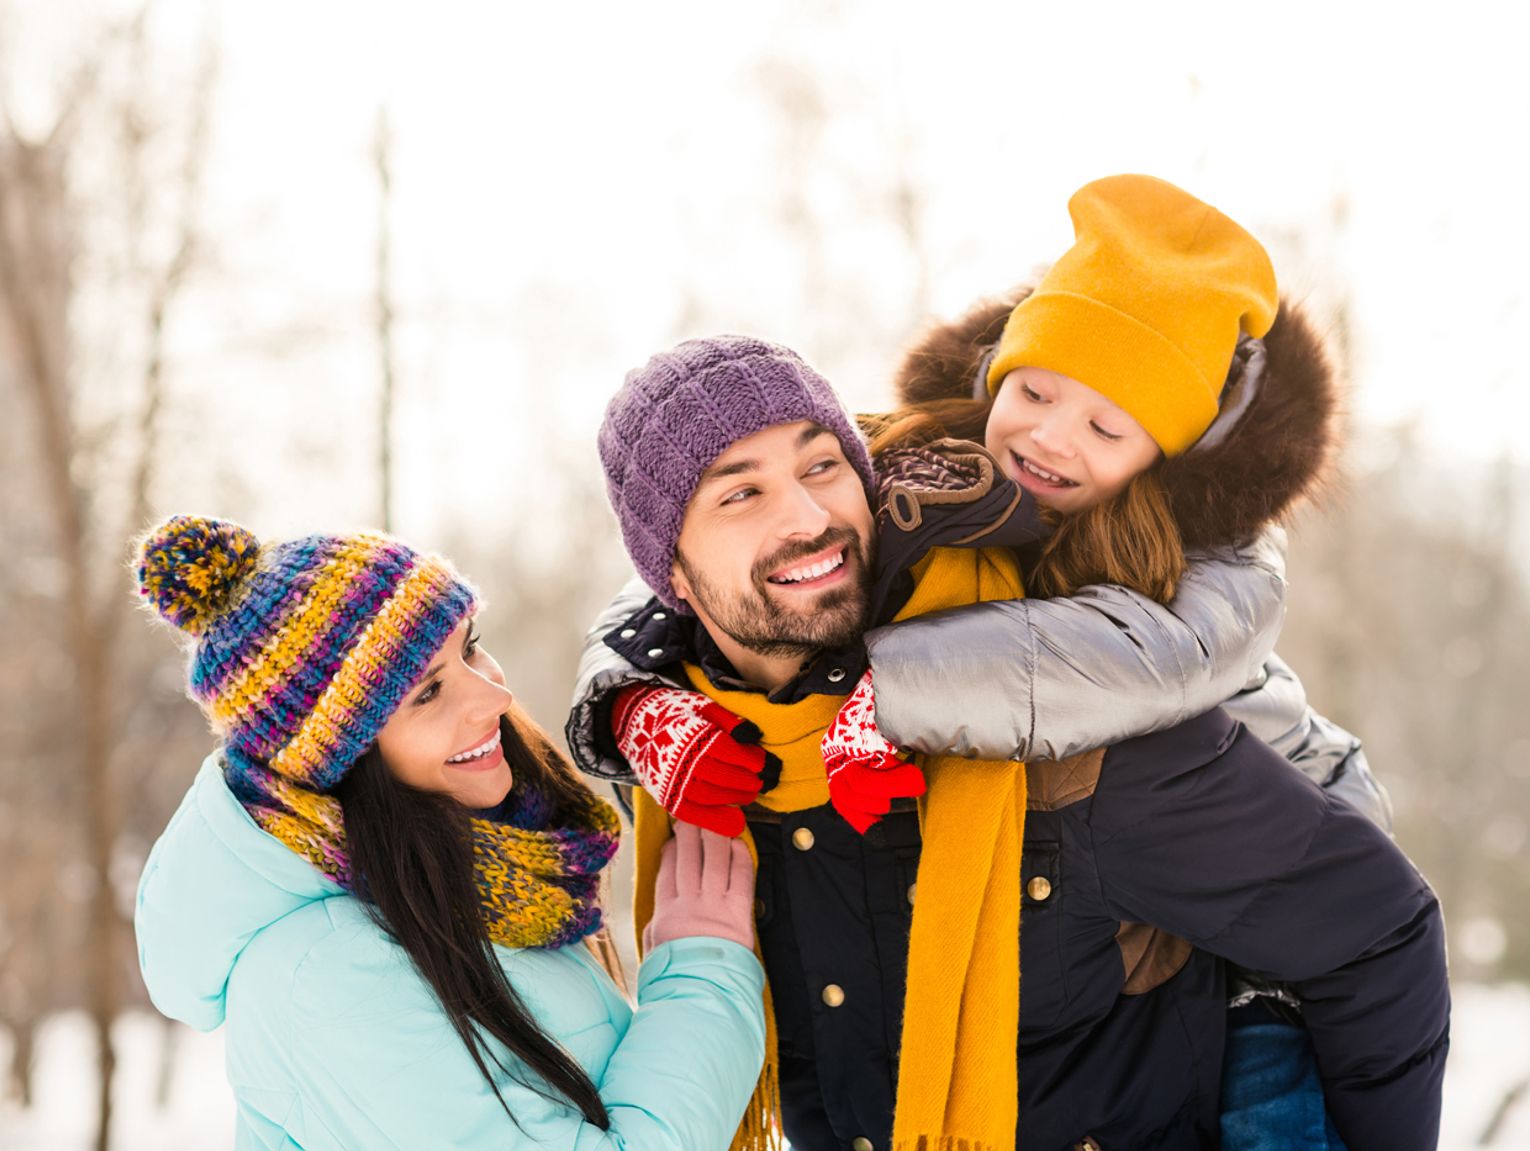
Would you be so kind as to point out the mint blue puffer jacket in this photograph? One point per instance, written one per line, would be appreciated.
(335, 1042)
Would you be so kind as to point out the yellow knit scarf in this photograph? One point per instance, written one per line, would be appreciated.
(957, 1080)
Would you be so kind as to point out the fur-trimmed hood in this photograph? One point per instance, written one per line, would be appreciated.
(1279, 451)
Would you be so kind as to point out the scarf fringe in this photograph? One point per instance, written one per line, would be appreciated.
(943, 1143)
(760, 1129)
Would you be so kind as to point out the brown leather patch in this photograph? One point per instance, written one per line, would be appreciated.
(1054, 783)
(1151, 957)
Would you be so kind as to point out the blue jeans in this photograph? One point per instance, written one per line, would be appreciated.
(1272, 1098)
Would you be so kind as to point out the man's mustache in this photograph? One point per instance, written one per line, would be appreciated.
(792, 552)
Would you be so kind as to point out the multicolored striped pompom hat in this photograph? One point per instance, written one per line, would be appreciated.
(302, 649)
(300, 653)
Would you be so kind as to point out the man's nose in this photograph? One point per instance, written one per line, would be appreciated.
(803, 515)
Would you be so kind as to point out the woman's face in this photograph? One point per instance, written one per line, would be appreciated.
(444, 736)
(1062, 441)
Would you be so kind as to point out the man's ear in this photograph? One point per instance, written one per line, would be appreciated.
(677, 580)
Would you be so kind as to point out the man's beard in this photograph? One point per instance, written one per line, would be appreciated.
(757, 622)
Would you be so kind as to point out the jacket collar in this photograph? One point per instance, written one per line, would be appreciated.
(657, 638)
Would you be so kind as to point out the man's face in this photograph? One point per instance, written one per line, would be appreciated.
(776, 546)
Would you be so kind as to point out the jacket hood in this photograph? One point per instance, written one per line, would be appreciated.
(1278, 452)
(212, 883)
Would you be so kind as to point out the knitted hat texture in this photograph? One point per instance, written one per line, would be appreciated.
(685, 407)
(1147, 306)
(301, 650)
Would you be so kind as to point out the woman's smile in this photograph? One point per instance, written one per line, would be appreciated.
(481, 757)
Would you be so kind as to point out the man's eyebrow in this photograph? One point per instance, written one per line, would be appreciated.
(811, 433)
(737, 467)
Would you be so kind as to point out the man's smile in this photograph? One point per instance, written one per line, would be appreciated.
(814, 572)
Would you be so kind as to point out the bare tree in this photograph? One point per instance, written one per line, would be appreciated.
(1407, 605)
(382, 155)
(44, 208)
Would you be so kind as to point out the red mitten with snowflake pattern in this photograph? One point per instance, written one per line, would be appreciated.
(866, 773)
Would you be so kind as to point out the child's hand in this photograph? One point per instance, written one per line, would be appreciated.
(701, 762)
(866, 773)
(705, 887)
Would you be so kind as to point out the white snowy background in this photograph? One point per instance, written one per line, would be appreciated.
(576, 186)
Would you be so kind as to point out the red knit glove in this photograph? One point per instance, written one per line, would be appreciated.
(700, 762)
(866, 773)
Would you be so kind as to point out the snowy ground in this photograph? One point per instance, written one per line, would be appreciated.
(1490, 1054)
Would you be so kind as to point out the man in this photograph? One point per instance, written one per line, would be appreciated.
(746, 502)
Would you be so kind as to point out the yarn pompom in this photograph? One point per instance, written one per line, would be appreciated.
(189, 568)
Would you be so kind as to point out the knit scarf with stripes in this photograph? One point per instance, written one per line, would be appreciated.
(538, 884)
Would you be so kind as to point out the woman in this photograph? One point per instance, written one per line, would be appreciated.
(385, 878)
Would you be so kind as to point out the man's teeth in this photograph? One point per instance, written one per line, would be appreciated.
(1046, 475)
(815, 571)
(478, 752)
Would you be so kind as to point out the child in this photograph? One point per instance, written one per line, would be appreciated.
(1103, 397)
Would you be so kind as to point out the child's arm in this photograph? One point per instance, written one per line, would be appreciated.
(1274, 707)
(1023, 679)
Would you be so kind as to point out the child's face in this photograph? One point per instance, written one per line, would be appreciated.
(1064, 442)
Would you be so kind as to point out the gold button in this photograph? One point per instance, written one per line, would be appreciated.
(834, 995)
(759, 908)
(861, 1143)
(911, 887)
(1087, 1143)
(1039, 888)
(802, 839)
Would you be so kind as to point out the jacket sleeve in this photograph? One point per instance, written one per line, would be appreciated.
(1274, 707)
(1208, 834)
(1026, 679)
(602, 673)
(688, 1065)
(380, 1066)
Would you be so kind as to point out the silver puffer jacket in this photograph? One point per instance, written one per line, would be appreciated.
(1049, 679)
(1027, 679)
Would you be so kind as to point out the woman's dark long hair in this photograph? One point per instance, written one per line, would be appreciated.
(1131, 539)
(412, 854)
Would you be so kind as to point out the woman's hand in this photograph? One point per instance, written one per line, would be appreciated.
(705, 887)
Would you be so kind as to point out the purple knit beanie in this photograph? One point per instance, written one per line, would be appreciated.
(680, 411)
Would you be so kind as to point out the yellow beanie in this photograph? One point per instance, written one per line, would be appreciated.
(1146, 307)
